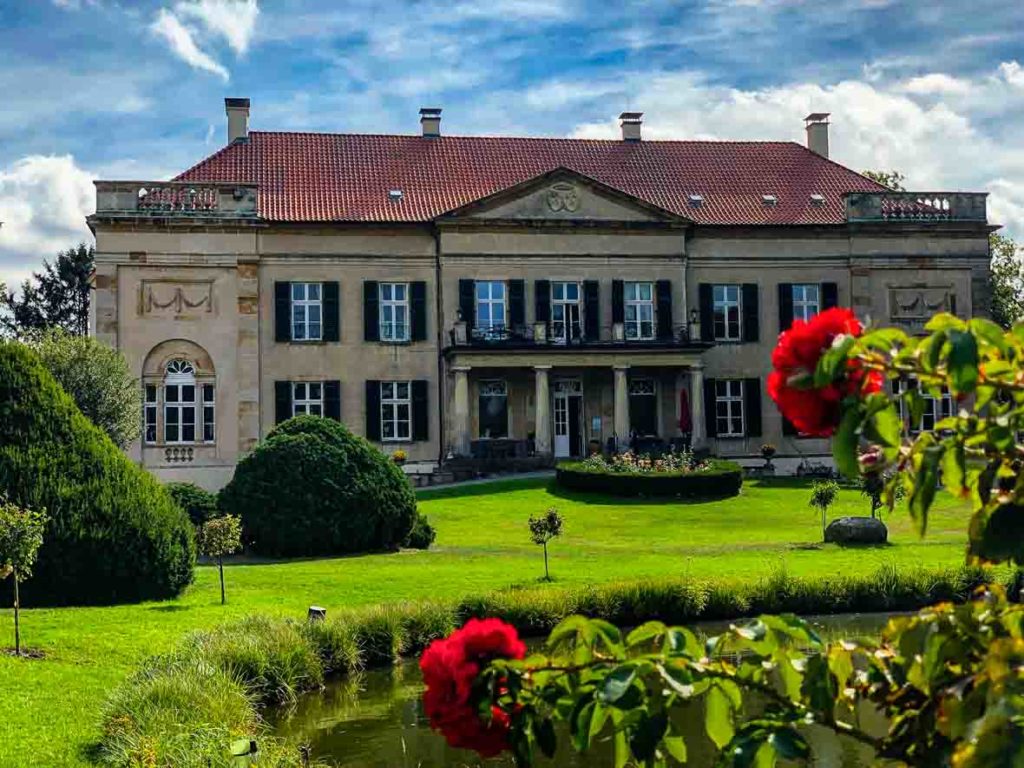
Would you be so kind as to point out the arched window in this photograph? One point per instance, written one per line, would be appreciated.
(179, 397)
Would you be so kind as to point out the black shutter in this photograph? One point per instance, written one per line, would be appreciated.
(517, 303)
(332, 312)
(418, 310)
(663, 293)
(420, 411)
(788, 429)
(332, 400)
(542, 301)
(467, 302)
(785, 306)
(829, 295)
(591, 310)
(618, 301)
(706, 300)
(373, 410)
(282, 311)
(282, 401)
(952, 303)
(371, 311)
(710, 408)
(752, 406)
(751, 313)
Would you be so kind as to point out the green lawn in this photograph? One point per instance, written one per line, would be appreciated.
(51, 707)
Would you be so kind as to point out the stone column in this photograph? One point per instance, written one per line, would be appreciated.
(460, 411)
(697, 437)
(621, 407)
(542, 419)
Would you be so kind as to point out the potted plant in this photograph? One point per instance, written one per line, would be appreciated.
(399, 457)
(768, 452)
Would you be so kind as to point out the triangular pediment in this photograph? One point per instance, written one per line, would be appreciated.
(563, 194)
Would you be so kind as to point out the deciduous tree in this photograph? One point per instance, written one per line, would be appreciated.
(21, 535)
(542, 530)
(218, 537)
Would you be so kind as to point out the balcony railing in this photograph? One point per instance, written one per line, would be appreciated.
(541, 335)
(176, 199)
(916, 206)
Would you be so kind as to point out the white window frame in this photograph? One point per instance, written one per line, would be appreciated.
(303, 400)
(493, 388)
(732, 396)
(392, 403)
(150, 409)
(726, 299)
(805, 306)
(307, 328)
(638, 311)
(561, 307)
(179, 375)
(492, 303)
(394, 312)
(209, 411)
(935, 409)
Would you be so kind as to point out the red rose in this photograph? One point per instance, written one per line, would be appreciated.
(450, 668)
(815, 411)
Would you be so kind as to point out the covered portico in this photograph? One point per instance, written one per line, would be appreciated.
(565, 402)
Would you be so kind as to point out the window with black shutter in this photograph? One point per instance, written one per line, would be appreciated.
(467, 304)
(591, 310)
(829, 295)
(785, 306)
(420, 411)
(618, 301)
(663, 292)
(706, 301)
(418, 297)
(517, 303)
(542, 301)
(373, 410)
(332, 311)
(752, 406)
(710, 407)
(751, 313)
(282, 310)
(371, 310)
(332, 400)
(282, 401)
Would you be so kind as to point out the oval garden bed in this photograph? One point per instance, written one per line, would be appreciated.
(712, 479)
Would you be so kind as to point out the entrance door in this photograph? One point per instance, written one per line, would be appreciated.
(568, 413)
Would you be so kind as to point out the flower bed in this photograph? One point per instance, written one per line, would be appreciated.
(672, 475)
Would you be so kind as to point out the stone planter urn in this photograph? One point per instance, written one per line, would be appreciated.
(856, 530)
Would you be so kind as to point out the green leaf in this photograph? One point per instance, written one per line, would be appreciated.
(609, 634)
(580, 724)
(884, 425)
(544, 730)
(568, 628)
(675, 746)
(926, 481)
(944, 321)
(788, 743)
(962, 362)
(616, 683)
(833, 363)
(652, 630)
(718, 714)
(647, 734)
(844, 444)
(683, 641)
(989, 333)
(954, 469)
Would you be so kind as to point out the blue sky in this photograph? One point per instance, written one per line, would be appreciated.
(106, 89)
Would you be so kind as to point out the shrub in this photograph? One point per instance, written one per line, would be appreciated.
(218, 537)
(422, 534)
(198, 503)
(314, 488)
(719, 480)
(113, 533)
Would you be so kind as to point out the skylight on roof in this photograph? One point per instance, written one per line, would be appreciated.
(817, 199)
(696, 200)
(769, 200)
(395, 195)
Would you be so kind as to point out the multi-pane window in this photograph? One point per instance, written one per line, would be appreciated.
(490, 304)
(727, 305)
(806, 300)
(209, 415)
(149, 412)
(639, 306)
(729, 407)
(307, 398)
(394, 311)
(307, 311)
(395, 410)
(493, 408)
(180, 403)
(643, 406)
(565, 311)
(934, 409)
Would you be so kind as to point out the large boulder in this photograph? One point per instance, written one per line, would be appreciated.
(856, 530)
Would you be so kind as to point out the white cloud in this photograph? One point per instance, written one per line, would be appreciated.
(935, 84)
(182, 42)
(1012, 73)
(233, 20)
(44, 200)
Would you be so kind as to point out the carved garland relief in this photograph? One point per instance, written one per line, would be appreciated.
(177, 297)
(912, 306)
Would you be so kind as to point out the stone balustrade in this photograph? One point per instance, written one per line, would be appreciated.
(916, 206)
(174, 199)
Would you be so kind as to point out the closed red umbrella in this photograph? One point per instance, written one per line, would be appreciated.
(685, 419)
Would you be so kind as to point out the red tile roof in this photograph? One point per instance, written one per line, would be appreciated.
(346, 177)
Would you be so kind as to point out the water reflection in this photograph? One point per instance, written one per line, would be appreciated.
(375, 720)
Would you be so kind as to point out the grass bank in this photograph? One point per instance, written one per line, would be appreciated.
(51, 707)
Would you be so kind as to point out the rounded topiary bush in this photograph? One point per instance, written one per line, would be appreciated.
(198, 503)
(113, 532)
(314, 488)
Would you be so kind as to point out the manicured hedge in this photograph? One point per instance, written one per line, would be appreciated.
(720, 480)
(114, 534)
(198, 503)
(314, 488)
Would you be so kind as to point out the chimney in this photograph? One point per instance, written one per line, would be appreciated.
(430, 119)
(238, 119)
(817, 132)
(631, 125)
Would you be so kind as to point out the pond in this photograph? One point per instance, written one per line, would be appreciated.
(375, 720)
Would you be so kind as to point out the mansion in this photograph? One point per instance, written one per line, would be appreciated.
(461, 297)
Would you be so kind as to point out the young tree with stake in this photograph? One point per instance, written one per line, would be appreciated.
(21, 535)
(823, 496)
(543, 529)
(218, 537)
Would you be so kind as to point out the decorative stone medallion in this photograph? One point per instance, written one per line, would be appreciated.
(563, 196)
(164, 297)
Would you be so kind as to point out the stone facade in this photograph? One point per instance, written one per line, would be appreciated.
(205, 286)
